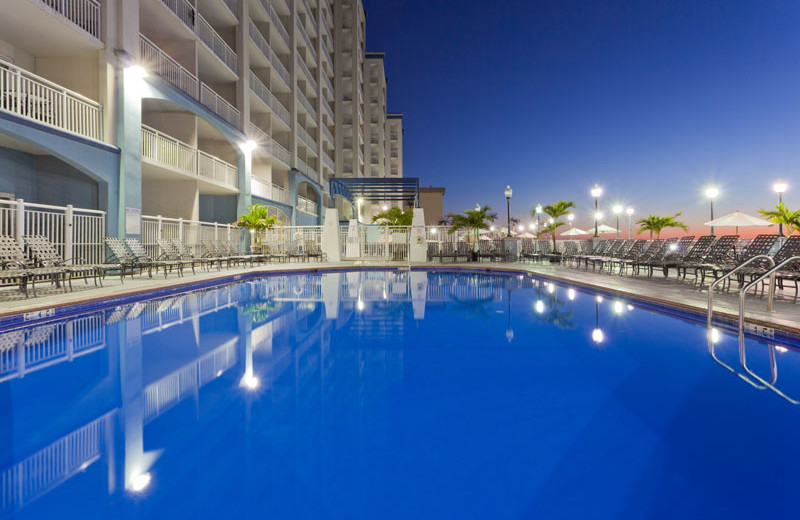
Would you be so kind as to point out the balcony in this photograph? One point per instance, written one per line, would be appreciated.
(276, 22)
(307, 139)
(328, 110)
(328, 161)
(266, 49)
(219, 105)
(307, 206)
(30, 96)
(162, 64)
(310, 77)
(326, 82)
(301, 98)
(267, 190)
(308, 170)
(302, 30)
(168, 154)
(214, 41)
(82, 14)
(328, 135)
(263, 93)
(183, 10)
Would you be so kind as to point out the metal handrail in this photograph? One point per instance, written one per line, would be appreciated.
(770, 295)
(725, 277)
(728, 367)
(773, 371)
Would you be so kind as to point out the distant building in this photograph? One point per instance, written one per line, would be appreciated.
(431, 200)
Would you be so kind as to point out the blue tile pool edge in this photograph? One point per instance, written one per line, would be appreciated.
(39, 315)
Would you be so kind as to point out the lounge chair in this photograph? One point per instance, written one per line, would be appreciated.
(127, 262)
(633, 253)
(138, 251)
(791, 272)
(761, 245)
(722, 252)
(170, 252)
(17, 269)
(45, 254)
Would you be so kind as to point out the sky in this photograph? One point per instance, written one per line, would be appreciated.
(654, 100)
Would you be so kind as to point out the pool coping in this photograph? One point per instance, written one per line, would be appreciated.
(758, 328)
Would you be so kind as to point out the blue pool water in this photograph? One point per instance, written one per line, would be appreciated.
(384, 394)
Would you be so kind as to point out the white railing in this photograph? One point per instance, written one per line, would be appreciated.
(34, 476)
(33, 97)
(233, 6)
(293, 238)
(327, 133)
(328, 161)
(360, 154)
(219, 105)
(162, 64)
(307, 73)
(267, 144)
(307, 206)
(306, 39)
(267, 190)
(307, 139)
(167, 151)
(280, 153)
(306, 105)
(264, 46)
(269, 99)
(190, 232)
(214, 41)
(276, 21)
(76, 233)
(83, 13)
(182, 10)
(307, 169)
(328, 110)
(374, 242)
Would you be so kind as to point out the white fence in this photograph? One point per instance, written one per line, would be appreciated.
(374, 242)
(76, 233)
(83, 13)
(215, 42)
(219, 105)
(190, 232)
(266, 190)
(165, 66)
(33, 97)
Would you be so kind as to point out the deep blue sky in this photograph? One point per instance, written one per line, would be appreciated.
(652, 99)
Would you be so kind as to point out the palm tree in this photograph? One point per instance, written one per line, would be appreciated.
(783, 215)
(473, 220)
(555, 211)
(257, 221)
(394, 217)
(656, 223)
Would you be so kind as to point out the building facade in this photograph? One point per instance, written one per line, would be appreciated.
(189, 109)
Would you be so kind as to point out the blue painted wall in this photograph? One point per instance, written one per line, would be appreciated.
(218, 208)
(46, 180)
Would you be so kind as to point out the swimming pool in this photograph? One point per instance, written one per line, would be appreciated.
(394, 394)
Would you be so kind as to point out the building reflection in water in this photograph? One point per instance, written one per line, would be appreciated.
(84, 394)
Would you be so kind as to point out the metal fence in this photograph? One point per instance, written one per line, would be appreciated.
(77, 233)
(190, 232)
(374, 242)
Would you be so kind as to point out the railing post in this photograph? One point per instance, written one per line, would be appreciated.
(216, 231)
(68, 234)
(180, 229)
(160, 232)
(20, 222)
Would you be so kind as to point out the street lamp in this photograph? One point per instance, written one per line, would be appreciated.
(617, 210)
(596, 192)
(477, 207)
(629, 211)
(570, 218)
(508, 193)
(538, 212)
(712, 193)
(779, 188)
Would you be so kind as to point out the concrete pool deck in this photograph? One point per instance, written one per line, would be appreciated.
(671, 292)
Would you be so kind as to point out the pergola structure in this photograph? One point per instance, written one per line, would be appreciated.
(377, 190)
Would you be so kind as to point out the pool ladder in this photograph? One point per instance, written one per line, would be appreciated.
(770, 273)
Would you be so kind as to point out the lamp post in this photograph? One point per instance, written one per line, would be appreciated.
(508, 193)
(712, 194)
(570, 218)
(596, 192)
(629, 211)
(617, 210)
(538, 212)
(779, 188)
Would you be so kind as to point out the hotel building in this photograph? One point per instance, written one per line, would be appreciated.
(190, 109)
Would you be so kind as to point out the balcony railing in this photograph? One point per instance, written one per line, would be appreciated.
(85, 14)
(33, 97)
(266, 190)
(264, 46)
(307, 206)
(307, 139)
(328, 161)
(328, 109)
(308, 170)
(307, 105)
(214, 41)
(269, 99)
(167, 151)
(233, 6)
(302, 30)
(276, 21)
(267, 144)
(310, 77)
(182, 10)
(219, 105)
(162, 64)
(327, 133)
(280, 153)
(326, 82)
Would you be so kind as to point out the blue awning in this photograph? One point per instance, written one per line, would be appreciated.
(377, 190)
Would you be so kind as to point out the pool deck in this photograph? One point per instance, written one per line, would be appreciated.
(682, 294)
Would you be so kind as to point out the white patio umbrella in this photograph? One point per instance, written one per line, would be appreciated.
(738, 219)
(602, 228)
(575, 231)
(526, 234)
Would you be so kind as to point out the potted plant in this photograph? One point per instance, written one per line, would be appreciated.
(257, 220)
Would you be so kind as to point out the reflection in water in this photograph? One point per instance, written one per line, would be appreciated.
(123, 373)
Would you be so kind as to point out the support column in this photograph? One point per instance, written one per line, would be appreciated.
(418, 245)
(129, 134)
(330, 235)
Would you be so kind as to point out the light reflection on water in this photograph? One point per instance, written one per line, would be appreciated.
(103, 403)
